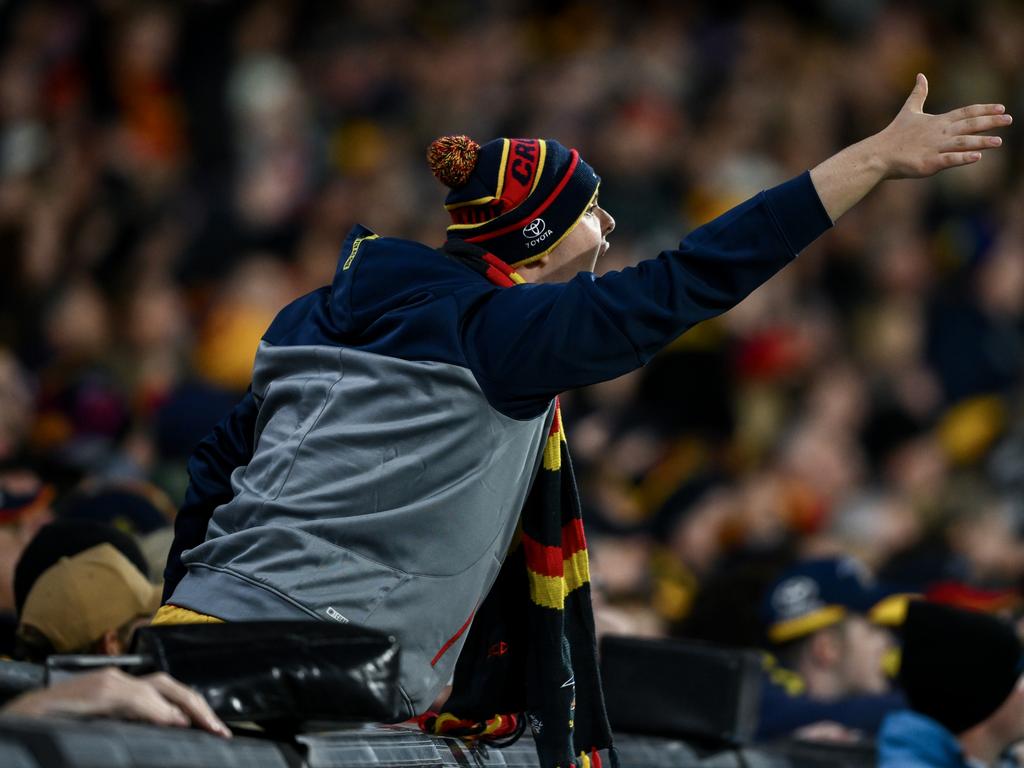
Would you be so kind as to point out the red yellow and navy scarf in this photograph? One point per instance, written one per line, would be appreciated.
(530, 656)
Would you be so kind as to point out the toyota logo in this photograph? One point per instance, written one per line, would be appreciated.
(533, 229)
(795, 595)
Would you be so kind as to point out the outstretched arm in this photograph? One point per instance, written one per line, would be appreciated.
(591, 329)
(913, 145)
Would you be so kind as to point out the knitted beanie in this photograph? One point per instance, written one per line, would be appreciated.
(957, 667)
(517, 198)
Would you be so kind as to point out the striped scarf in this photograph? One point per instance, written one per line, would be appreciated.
(530, 656)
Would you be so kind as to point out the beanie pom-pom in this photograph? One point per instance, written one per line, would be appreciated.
(452, 159)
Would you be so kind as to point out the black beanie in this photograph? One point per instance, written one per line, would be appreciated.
(957, 667)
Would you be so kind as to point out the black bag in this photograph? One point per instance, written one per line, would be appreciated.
(681, 689)
(286, 671)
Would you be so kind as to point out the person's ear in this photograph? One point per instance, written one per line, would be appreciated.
(825, 647)
(534, 270)
(109, 644)
(538, 264)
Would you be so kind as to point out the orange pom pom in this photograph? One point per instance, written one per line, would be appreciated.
(452, 159)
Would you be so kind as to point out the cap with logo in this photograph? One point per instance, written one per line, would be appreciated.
(814, 594)
(517, 198)
(80, 597)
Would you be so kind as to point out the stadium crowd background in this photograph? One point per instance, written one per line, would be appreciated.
(171, 174)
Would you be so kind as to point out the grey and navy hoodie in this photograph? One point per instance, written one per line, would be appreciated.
(375, 471)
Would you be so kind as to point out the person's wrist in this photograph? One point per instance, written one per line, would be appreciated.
(874, 157)
(26, 705)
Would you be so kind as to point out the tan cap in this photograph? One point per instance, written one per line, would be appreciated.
(79, 598)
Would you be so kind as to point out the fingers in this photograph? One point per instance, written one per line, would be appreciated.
(953, 159)
(975, 110)
(115, 694)
(150, 707)
(962, 138)
(961, 143)
(915, 101)
(981, 123)
(188, 701)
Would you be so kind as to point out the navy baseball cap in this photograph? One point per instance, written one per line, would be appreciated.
(814, 594)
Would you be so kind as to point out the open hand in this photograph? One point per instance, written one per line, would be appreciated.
(916, 144)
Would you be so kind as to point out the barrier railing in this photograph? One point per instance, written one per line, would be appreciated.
(58, 743)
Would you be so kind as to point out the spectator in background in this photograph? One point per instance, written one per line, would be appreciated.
(961, 672)
(82, 587)
(24, 507)
(16, 405)
(135, 507)
(820, 619)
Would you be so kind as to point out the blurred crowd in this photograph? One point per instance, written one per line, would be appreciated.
(172, 174)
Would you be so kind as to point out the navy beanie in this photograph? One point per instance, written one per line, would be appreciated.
(517, 198)
(957, 667)
(137, 509)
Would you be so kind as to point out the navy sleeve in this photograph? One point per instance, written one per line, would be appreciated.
(228, 446)
(528, 343)
(781, 714)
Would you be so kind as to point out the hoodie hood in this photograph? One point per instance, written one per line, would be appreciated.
(381, 282)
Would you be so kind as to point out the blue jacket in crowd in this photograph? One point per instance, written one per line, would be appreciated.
(912, 740)
(786, 707)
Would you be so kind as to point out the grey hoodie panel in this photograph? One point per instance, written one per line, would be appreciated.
(381, 491)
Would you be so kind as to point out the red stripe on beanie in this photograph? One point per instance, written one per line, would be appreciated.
(521, 168)
(543, 206)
